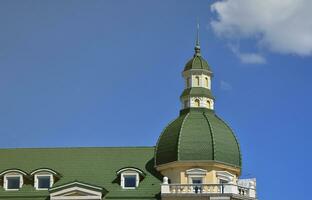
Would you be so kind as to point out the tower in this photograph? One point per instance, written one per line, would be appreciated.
(197, 76)
(198, 153)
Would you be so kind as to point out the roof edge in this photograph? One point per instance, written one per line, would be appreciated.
(53, 148)
(215, 163)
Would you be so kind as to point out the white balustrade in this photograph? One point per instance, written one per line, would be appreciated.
(167, 188)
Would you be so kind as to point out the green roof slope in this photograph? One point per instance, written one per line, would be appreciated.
(95, 166)
(196, 92)
(198, 135)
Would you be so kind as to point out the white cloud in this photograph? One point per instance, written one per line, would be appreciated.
(283, 26)
(248, 58)
(225, 86)
(251, 58)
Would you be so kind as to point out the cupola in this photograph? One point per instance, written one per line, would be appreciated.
(198, 137)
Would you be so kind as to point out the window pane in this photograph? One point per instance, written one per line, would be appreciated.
(13, 182)
(43, 181)
(130, 181)
(197, 180)
(223, 181)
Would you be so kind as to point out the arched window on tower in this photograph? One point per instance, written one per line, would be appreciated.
(208, 104)
(197, 103)
(197, 80)
(206, 81)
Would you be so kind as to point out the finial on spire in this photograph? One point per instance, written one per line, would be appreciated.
(197, 46)
(197, 34)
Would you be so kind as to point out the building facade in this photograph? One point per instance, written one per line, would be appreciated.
(197, 156)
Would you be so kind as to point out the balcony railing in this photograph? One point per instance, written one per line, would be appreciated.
(208, 189)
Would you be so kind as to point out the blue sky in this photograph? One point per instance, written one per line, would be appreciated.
(108, 73)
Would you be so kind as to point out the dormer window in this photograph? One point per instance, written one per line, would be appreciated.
(13, 182)
(130, 177)
(13, 179)
(130, 181)
(44, 178)
(43, 182)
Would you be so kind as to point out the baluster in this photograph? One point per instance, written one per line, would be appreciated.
(182, 189)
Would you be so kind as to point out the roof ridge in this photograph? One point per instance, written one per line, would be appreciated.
(212, 137)
(236, 140)
(179, 136)
(194, 58)
(201, 63)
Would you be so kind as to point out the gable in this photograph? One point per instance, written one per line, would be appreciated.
(76, 191)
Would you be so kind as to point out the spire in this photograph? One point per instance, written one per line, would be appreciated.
(197, 46)
(197, 35)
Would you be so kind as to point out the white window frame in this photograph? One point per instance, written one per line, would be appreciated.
(43, 174)
(129, 173)
(225, 176)
(196, 173)
(10, 175)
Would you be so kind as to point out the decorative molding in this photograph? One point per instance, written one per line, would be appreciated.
(82, 194)
(208, 163)
(44, 170)
(131, 169)
(196, 171)
(224, 175)
(18, 171)
(76, 183)
(196, 72)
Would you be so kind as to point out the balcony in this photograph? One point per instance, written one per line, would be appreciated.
(191, 191)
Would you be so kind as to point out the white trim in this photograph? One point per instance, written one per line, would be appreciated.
(76, 182)
(36, 181)
(61, 195)
(224, 175)
(75, 197)
(13, 171)
(129, 169)
(202, 102)
(43, 170)
(9, 175)
(75, 188)
(129, 173)
(196, 171)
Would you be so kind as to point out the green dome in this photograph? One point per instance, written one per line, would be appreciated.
(198, 135)
(197, 62)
